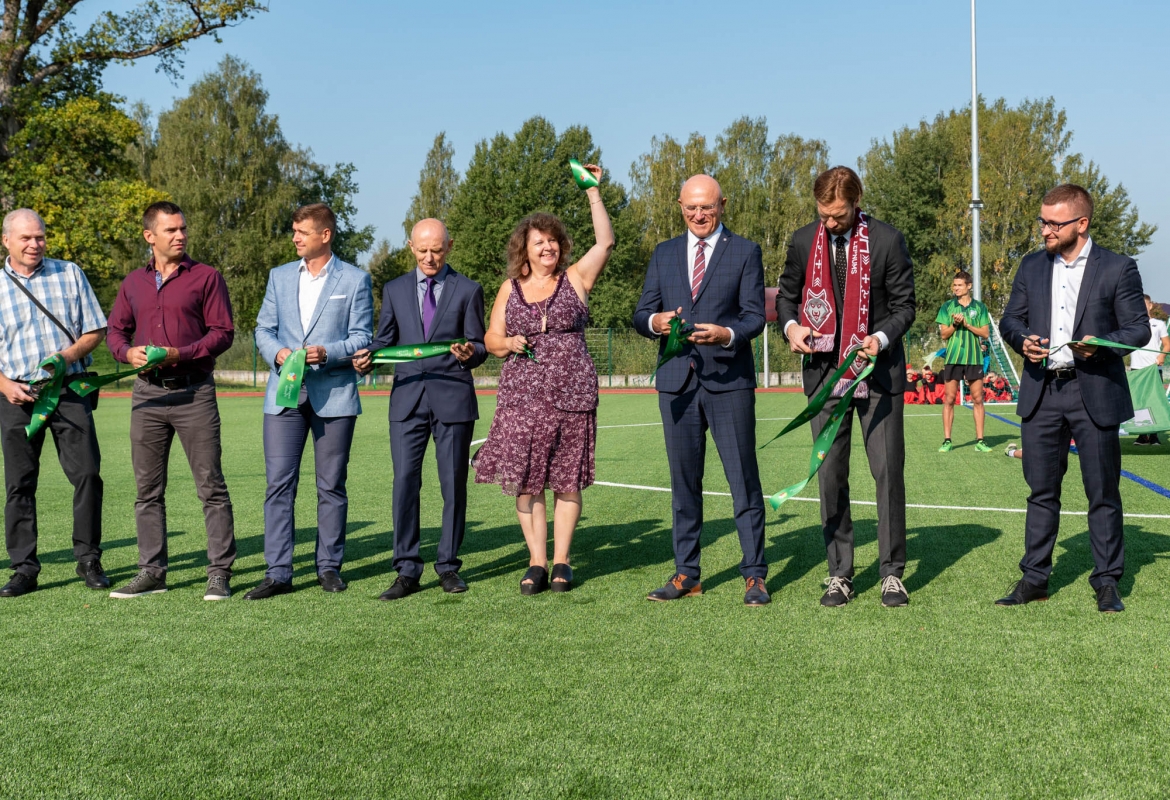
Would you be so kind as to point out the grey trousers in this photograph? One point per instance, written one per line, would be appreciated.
(882, 423)
(157, 415)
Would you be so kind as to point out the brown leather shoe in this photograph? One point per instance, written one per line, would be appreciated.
(756, 593)
(678, 586)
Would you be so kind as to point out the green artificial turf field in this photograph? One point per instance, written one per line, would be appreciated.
(596, 693)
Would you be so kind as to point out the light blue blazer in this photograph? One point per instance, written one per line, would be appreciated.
(342, 322)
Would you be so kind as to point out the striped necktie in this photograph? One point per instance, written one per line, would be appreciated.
(700, 268)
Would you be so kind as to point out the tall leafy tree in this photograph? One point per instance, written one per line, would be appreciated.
(438, 184)
(224, 159)
(513, 176)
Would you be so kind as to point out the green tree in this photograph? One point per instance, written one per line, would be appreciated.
(42, 55)
(513, 176)
(438, 185)
(68, 164)
(223, 158)
(656, 178)
(920, 182)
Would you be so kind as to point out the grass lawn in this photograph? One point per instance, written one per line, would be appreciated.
(596, 693)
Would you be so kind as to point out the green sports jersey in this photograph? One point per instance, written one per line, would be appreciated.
(963, 346)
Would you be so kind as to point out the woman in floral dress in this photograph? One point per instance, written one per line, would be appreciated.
(543, 433)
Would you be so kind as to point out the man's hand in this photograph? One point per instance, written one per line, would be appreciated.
(660, 322)
(871, 345)
(1035, 349)
(1160, 360)
(361, 362)
(957, 320)
(1081, 349)
(800, 338)
(17, 393)
(136, 356)
(315, 354)
(463, 351)
(707, 333)
(282, 355)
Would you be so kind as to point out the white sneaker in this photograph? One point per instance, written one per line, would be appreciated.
(1011, 450)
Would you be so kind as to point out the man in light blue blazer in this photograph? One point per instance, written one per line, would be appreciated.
(325, 306)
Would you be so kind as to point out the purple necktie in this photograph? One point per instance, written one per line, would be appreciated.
(429, 308)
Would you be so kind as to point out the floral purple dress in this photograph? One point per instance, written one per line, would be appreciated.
(545, 428)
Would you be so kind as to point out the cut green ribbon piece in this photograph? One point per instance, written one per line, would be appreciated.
(401, 353)
(87, 384)
(824, 441)
(48, 395)
(1106, 343)
(676, 341)
(584, 178)
(292, 375)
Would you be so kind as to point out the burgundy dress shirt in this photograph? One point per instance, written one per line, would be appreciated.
(190, 311)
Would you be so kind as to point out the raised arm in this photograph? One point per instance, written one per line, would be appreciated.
(584, 274)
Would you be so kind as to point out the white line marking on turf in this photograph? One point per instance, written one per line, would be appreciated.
(872, 503)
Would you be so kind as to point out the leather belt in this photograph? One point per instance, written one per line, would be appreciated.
(1063, 374)
(174, 381)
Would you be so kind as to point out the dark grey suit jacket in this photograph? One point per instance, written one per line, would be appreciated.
(1109, 306)
(731, 295)
(891, 304)
(448, 384)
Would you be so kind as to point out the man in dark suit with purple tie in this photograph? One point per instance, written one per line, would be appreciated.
(715, 279)
(431, 398)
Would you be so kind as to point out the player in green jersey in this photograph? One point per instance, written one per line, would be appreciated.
(963, 321)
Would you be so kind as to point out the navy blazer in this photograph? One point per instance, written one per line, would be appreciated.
(1109, 306)
(449, 385)
(731, 295)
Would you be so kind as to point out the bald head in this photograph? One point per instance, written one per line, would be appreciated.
(702, 203)
(430, 243)
(24, 239)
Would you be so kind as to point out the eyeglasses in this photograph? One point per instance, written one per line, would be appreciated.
(707, 209)
(1055, 226)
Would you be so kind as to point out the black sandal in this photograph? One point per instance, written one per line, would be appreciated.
(565, 573)
(539, 578)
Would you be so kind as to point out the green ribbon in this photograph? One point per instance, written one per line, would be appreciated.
(48, 394)
(401, 353)
(824, 441)
(676, 341)
(584, 178)
(1106, 343)
(292, 375)
(88, 384)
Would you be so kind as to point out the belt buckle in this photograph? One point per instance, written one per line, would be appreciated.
(172, 383)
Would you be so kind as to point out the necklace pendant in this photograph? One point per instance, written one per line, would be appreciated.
(544, 324)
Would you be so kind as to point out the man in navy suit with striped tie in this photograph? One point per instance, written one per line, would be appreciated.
(714, 279)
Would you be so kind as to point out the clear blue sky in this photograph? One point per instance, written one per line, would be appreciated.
(373, 82)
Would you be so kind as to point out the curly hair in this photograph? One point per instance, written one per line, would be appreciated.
(549, 225)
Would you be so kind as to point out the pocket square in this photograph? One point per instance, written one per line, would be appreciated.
(336, 297)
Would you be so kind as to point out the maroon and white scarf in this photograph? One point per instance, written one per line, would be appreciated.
(819, 310)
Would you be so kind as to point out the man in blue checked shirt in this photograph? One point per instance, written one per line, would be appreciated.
(28, 336)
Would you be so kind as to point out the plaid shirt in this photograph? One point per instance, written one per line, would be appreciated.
(27, 336)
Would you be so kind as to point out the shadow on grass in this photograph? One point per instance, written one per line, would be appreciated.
(1142, 548)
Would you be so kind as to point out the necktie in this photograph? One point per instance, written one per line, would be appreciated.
(700, 268)
(429, 308)
(840, 269)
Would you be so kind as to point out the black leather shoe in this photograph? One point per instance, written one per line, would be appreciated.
(1023, 592)
(19, 584)
(562, 578)
(756, 593)
(95, 577)
(268, 588)
(330, 580)
(401, 587)
(678, 586)
(452, 583)
(535, 581)
(1108, 600)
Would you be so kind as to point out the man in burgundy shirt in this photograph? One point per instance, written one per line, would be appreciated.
(177, 303)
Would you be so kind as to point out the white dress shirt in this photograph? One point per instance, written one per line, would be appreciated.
(1140, 359)
(881, 337)
(709, 255)
(1066, 288)
(309, 291)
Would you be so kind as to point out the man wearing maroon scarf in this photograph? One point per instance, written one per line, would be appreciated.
(848, 285)
(177, 303)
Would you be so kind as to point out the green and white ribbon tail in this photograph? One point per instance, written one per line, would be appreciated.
(584, 178)
(292, 376)
(675, 341)
(91, 383)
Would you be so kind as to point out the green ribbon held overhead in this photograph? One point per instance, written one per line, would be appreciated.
(48, 394)
(584, 178)
(88, 384)
(824, 441)
(676, 341)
